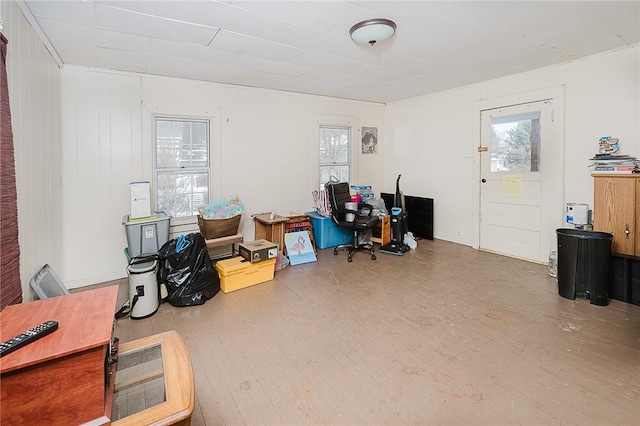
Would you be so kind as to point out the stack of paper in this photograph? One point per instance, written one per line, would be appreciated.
(605, 163)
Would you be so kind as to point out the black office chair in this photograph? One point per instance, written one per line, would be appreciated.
(357, 220)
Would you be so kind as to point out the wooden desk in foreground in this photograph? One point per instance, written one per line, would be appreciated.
(62, 378)
(73, 377)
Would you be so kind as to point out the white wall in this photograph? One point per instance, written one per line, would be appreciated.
(265, 143)
(101, 154)
(427, 136)
(264, 150)
(34, 91)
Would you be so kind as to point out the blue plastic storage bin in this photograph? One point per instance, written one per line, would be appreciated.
(326, 233)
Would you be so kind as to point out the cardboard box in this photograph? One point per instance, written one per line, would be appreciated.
(258, 250)
(237, 273)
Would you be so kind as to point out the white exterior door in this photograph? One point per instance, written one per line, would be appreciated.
(521, 182)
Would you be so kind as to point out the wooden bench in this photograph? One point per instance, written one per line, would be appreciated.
(231, 240)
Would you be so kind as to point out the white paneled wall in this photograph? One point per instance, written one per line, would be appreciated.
(101, 154)
(263, 150)
(429, 135)
(34, 92)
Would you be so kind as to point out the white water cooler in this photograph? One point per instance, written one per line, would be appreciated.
(143, 288)
(577, 214)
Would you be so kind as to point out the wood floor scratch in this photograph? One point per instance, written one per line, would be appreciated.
(444, 335)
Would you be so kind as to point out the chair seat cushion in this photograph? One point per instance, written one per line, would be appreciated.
(362, 222)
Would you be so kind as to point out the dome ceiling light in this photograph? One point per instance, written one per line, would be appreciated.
(372, 31)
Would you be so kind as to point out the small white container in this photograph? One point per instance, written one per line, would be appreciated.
(553, 264)
(350, 217)
(577, 213)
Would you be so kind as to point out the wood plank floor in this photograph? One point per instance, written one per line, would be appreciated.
(445, 335)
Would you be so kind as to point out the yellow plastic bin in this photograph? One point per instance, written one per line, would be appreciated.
(237, 273)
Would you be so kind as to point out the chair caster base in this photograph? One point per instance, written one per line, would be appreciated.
(351, 250)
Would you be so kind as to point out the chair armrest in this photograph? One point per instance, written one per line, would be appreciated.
(344, 211)
(364, 210)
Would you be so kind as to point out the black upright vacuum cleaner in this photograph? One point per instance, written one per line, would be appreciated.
(399, 225)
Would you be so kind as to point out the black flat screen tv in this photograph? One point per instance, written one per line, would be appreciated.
(419, 211)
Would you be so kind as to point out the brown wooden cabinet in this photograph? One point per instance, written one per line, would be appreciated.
(64, 377)
(616, 202)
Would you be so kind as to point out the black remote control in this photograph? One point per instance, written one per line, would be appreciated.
(27, 337)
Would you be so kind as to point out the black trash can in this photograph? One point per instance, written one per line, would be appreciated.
(584, 258)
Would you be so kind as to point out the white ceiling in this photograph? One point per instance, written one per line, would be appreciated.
(304, 46)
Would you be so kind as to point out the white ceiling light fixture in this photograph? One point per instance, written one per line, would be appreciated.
(372, 31)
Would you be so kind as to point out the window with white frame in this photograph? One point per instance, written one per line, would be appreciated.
(182, 167)
(335, 153)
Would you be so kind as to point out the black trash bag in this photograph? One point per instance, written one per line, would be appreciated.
(187, 272)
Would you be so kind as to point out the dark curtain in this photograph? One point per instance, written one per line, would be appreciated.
(10, 285)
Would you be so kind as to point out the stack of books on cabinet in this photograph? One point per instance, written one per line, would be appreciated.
(618, 164)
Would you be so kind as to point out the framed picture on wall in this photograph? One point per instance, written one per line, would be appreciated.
(369, 140)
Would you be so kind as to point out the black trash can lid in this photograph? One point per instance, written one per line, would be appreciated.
(582, 233)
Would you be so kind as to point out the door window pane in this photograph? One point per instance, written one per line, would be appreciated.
(515, 143)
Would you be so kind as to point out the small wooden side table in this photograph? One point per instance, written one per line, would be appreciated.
(154, 382)
(382, 231)
(270, 229)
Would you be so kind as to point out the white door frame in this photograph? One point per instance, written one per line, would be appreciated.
(557, 94)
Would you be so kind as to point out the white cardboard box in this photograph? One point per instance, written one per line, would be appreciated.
(140, 200)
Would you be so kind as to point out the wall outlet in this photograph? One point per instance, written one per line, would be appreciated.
(459, 233)
(468, 154)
